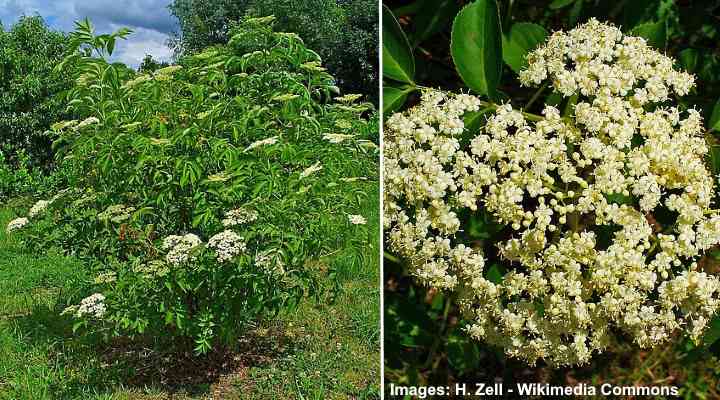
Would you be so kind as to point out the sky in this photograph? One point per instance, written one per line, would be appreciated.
(150, 20)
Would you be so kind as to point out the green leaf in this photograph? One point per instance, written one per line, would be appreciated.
(714, 121)
(560, 4)
(689, 59)
(712, 334)
(463, 354)
(394, 98)
(482, 225)
(574, 13)
(495, 273)
(714, 155)
(432, 17)
(476, 46)
(398, 61)
(554, 99)
(654, 32)
(110, 45)
(473, 120)
(523, 38)
(636, 11)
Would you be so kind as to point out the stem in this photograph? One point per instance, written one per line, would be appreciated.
(392, 257)
(536, 95)
(527, 115)
(508, 15)
(574, 220)
(440, 335)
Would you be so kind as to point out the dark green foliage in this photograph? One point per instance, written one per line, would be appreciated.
(204, 23)
(344, 33)
(28, 92)
(150, 65)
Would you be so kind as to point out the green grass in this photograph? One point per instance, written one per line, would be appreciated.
(322, 350)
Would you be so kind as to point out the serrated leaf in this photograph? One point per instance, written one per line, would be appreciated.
(476, 46)
(523, 38)
(398, 60)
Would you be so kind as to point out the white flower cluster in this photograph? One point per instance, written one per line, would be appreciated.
(93, 306)
(607, 211)
(179, 248)
(153, 268)
(357, 219)
(38, 208)
(106, 278)
(239, 216)
(116, 213)
(271, 260)
(227, 244)
(337, 137)
(136, 81)
(17, 223)
(603, 61)
(87, 122)
(349, 98)
(264, 142)
(311, 170)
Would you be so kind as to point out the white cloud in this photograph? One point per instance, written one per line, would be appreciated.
(150, 20)
(142, 42)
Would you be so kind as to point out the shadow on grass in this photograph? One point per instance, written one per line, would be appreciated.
(91, 364)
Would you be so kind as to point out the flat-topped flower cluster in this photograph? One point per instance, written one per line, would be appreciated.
(559, 183)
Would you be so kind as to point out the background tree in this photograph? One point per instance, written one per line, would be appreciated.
(28, 89)
(343, 32)
(149, 64)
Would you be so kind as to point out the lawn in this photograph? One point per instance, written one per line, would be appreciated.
(326, 349)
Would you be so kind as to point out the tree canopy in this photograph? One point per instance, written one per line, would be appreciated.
(29, 50)
(344, 33)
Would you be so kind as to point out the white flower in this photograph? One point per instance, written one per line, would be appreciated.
(152, 268)
(116, 213)
(311, 170)
(337, 137)
(227, 244)
(348, 98)
(169, 70)
(180, 247)
(93, 306)
(86, 122)
(557, 184)
(106, 277)
(37, 208)
(263, 142)
(271, 260)
(16, 224)
(357, 219)
(239, 216)
(136, 81)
